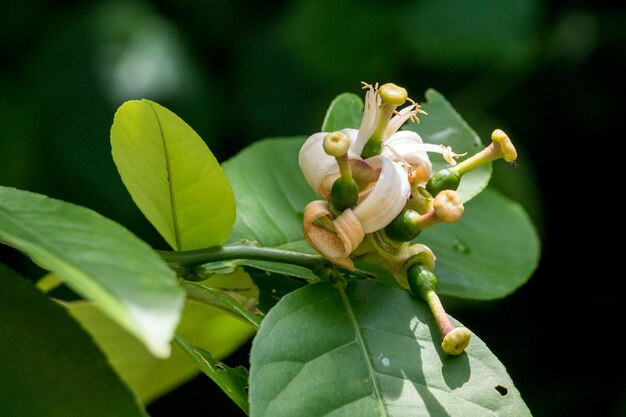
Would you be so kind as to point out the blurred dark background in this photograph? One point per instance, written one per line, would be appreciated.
(551, 74)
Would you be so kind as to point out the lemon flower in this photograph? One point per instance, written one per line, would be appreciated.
(384, 162)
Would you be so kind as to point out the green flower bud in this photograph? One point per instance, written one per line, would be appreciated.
(405, 227)
(446, 179)
(344, 193)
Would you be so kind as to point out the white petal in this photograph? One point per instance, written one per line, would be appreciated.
(368, 123)
(388, 197)
(409, 147)
(314, 162)
(317, 165)
(398, 120)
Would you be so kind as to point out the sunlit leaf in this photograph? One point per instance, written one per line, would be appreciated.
(172, 176)
(97, 258)
(371, 351)
(209, 327)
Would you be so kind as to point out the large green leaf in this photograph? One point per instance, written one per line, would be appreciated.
(172, 176)
(149, 377)
(345, 111)
(99, 259)
(445, 126)
(270, 190)
(49, 366)
(371, 351)
(489, 253)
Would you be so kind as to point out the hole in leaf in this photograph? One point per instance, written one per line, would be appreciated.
(502, 390)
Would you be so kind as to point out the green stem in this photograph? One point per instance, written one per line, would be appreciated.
(211, 296)
(344, 166)
(489, 154)
(192, 258)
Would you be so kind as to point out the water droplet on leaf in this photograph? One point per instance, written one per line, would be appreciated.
(461, 246)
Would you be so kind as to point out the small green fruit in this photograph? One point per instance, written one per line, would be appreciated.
(404, 227)
(421, 280)
(445, 179)
(344, 194)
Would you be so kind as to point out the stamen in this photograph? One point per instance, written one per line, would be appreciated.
(448, 155)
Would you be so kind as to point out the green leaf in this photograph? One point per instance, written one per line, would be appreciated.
(445, 126)
(345, 111)
(172, 176)
(50, 367)
(272, 287)
(214, 296)
(99, 259)
(489, 253)
(271, 192)
(149, 377)
(233, 381)
(369, 351)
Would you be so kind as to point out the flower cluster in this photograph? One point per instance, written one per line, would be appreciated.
(378, 193)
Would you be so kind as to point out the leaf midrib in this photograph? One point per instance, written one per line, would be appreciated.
(366, 355)
(169, 180)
